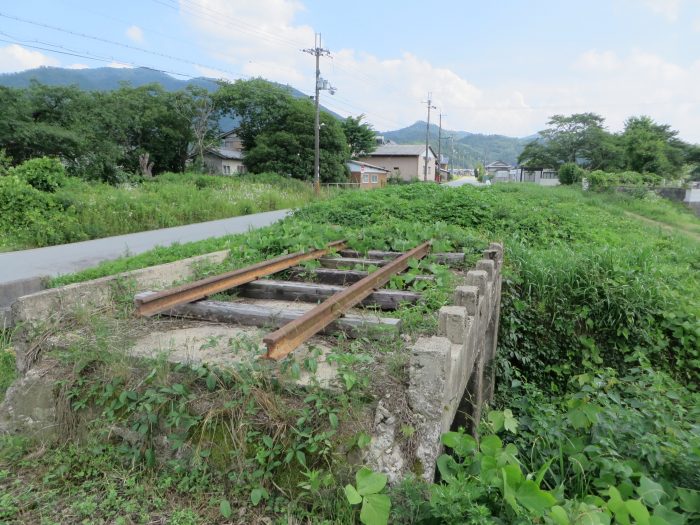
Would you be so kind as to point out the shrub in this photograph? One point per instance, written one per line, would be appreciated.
(601, 180)
(29, 217)
(5, 163)
(570, 173)
(43, 173)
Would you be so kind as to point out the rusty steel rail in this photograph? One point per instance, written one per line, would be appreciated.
(163, 300)
(286, 339)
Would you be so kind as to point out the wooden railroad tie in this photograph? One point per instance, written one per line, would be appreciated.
(152, 304)
(286, 339)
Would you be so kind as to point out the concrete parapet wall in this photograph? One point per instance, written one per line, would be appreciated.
(453, 371)
(44, 307)
(10, 291)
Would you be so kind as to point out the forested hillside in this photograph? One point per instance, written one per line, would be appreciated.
(469, 148)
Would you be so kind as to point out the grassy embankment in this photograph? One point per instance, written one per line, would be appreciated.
(598, 371)
(90, 210)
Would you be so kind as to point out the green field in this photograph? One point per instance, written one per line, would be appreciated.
(596, 419)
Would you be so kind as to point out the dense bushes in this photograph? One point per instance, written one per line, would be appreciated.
(597, 419)
(601, 180)
(31, 217)
(570, 173)
(43, 173)
(40, 206)
(584, 287)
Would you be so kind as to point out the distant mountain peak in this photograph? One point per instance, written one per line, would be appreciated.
(469, 148)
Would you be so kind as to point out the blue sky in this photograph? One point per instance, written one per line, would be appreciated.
(499, 67)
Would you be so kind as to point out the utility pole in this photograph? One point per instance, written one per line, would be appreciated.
(318, 52)
(452, 154)
(451, 163)
(427, 137)
(439, 162)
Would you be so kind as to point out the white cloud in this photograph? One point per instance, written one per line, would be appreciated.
(669, 9)
(17, 58)
(77, 66)
(119, 65)
(135, 33)
(637, 83)
(260, 38)
(597, 61)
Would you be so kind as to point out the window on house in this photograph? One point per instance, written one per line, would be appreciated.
(375, 179)
(240, 169)
(365, 177)
(227, 169)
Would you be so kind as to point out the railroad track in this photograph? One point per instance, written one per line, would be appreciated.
(333, 286)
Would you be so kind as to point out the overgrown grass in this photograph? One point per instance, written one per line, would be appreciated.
(7, 362)
(598, 358)
(91, 210)
(648, 204)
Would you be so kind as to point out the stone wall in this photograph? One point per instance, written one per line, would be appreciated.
(449, 373)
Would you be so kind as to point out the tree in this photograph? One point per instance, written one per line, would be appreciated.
(204, 120)
(361, 137)
(653, 148)
(43, 121)
(287, 147)
(536, 154)
(277, 131)
(257, 104)
(693, 155)
(579, 138)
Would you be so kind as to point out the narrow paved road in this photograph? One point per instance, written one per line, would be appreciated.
(463, 181)
(68, 258)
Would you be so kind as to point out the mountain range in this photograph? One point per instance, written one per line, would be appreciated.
(469, 148)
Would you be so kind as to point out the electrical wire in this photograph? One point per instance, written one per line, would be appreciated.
(121, 44)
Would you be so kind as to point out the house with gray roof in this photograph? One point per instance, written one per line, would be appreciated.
(404, 161)
(227, 158)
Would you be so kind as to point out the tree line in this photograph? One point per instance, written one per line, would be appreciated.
(111, 135)
(644, 146)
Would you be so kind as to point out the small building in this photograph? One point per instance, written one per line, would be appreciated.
(498, 171)
(224, 161)
(541, 176)
(227, 159)
(368, 176)
(404, 161)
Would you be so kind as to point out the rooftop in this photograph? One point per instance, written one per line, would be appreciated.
(367, 165)
(397, 150)
(224, 153)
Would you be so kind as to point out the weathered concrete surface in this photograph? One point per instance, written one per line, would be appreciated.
(31, 404)
(692, 199)
(227, 346)
(11, 290)
(451, 371)
(49, 306)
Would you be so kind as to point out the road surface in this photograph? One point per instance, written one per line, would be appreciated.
(69, 258)
(463, 181)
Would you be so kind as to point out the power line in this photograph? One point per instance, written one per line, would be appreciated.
(224, 20)
(100, 59)
(91, 56)
(120, 44)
